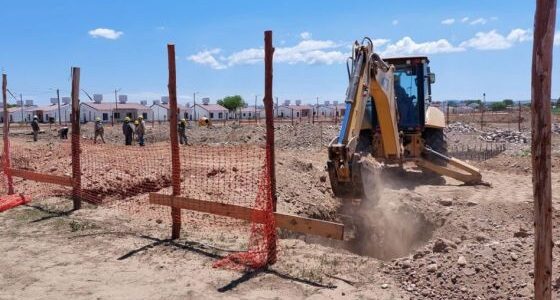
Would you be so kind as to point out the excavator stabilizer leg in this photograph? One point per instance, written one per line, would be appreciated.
(453, 167)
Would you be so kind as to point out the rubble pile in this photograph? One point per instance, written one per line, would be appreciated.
(509, 136)
(460, 128)
(556, 128)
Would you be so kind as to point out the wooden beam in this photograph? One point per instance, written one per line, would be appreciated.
(541, 73)
(39, 177)
(291, 222)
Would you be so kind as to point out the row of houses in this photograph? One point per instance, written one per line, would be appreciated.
(159, 111)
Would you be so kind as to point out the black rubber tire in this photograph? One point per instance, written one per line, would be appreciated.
(435, 139)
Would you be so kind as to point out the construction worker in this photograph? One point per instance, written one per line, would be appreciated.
(182, 129)
(98, 131)
(140, 130)
(35, 127)
(63, 133)
(128, 131)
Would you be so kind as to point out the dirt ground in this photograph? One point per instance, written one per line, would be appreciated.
(423, 238)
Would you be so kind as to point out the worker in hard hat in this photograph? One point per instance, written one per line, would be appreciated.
(182, 129)
(98, 131)
(140, 130)
(35, 127)
(128, 131)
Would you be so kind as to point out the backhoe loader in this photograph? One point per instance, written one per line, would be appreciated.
(389, 120)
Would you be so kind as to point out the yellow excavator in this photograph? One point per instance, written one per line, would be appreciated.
(389, 120)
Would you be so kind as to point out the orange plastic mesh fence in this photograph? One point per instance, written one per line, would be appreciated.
(121, 177)
(49, 158)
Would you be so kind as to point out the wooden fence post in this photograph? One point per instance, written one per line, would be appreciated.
(6, 154)
(541, 72)
(268, 55)
(175, 159)
(76, 169)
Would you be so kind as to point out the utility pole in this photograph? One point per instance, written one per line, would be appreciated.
(482, 110)
(21, 100)
(194, 106)
(256, 121)
(58, 98)
(277, 107)
(116, 107)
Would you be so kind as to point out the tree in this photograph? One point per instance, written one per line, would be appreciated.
(232, 102)
(497, 106)
(477, 101)
(508, 102)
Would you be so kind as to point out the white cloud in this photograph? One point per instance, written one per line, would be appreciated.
(519, 35)
(407, 46)
(106, 33)
(305, 35)
(557, 38)
(448, 21)
(493, 40)
(395, 22)
(465, 19)
(379, 42)
(206, 57)
(307, 51)
(479, 21)
(160, 28)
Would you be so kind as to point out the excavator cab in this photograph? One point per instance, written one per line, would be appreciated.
(412, 85)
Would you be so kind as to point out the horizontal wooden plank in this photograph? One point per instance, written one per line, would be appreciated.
(291, 222)
(40, 177)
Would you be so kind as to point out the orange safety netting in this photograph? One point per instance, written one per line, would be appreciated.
(121, 177)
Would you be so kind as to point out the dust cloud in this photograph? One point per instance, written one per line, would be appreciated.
(387, 226)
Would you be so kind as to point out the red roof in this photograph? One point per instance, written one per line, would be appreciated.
(53, 107)
(166, 106)
(250, 109)
(212, 107)
(298, 107)
(111, 106)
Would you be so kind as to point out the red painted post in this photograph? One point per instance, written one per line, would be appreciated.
(175, 159)
(268, 55)
(6, 154)
(76, 169)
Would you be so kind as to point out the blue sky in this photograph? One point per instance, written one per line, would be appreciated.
(474, 46)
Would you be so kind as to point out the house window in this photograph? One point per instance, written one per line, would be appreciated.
(129, 115)
(249, 115)
(244, 114)
(105, 117)
(220, 115)
(297, 114)
(211, 115)
(117, 115)
(145, 116)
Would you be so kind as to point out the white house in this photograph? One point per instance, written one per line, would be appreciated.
(297, 111)
(45, 114)
(17, 114)
(160, 112)
(210, 111)
(107, 111)
(249, 112)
